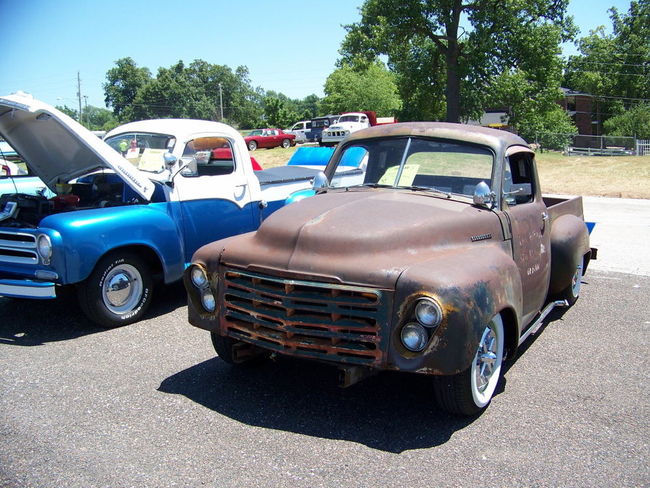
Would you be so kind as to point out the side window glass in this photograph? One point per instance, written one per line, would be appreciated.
(209, 156)
(518, 179)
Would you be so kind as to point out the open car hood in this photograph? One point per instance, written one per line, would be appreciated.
(57, 148)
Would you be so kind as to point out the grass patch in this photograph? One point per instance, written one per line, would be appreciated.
(609, 176)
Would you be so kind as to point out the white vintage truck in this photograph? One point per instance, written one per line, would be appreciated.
(351, 122)
(128, 211)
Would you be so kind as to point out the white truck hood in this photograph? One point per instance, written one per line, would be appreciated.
(57, 148)
(348, 126)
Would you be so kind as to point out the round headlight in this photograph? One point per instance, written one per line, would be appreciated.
(208, 301)
(428, 312)
(414, 337)
(199, 278)
(44, 245)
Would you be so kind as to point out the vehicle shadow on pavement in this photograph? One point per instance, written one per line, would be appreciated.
(36, 322)
(391, 412)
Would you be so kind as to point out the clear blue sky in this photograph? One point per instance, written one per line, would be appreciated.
(288, 46)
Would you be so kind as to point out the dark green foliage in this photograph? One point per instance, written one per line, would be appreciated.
(634, 122)
(615, 68)
(445, 68)
(364, 87)
(200, 90)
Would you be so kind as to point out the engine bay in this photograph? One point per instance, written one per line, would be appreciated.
(92, 191)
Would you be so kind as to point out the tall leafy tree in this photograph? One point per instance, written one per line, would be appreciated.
(634, 122)
(615, 67)
(453, 48)
(369, 87)
(122, 85)
(97, 118)
(277, 113)
(200, 90)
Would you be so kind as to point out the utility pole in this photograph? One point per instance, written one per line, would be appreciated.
(221, 101)
(86, 109)
(79, 94)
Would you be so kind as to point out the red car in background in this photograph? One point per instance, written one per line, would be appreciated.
(269, 138)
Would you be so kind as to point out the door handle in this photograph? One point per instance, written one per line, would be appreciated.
(545, 219)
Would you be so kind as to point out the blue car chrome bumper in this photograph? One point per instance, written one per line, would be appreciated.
(27, 289)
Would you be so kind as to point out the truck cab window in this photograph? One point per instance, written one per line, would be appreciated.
(518, 179)
(213, 156)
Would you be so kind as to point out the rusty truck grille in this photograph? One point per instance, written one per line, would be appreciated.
(304, 318)
(18, 248)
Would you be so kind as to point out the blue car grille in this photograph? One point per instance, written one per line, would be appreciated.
(18, 248)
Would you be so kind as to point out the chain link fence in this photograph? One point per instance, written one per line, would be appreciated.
(588, 145)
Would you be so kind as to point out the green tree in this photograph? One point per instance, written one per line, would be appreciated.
(634, 122)
(308, 108)
(614, 67)
(70, 112)
(451, 60)
(96, 118)
(277, 114)
(371, 87)
(122, 85)
(200, 90)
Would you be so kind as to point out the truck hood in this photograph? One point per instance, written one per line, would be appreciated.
(347, 126)
(57, 148)
(366, 236)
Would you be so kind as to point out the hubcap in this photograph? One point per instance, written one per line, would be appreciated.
(486, 367)
(122, 289)
(576, 281)
(486, 359)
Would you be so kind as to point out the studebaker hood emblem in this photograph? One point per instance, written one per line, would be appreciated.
(57, 148)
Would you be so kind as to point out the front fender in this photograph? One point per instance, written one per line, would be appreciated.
(472, 284)
(87, 235)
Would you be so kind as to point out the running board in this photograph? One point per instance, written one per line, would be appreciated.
(543, 314)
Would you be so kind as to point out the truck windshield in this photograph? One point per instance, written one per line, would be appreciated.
(145, 151)
(418, 163)
(349, 118)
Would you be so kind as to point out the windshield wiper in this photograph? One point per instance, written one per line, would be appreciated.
(426, 188)
(369, 185)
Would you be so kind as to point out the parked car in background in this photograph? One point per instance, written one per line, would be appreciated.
(351, 122)
(318, 124)
(15, 175)
(300, 129)
(269, 138)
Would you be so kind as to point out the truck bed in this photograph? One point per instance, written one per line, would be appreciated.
(558, 206)
(285, 174)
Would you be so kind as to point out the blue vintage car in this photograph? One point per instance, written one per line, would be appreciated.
(121, 214)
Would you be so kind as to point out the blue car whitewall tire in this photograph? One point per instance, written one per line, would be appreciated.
(118, 291)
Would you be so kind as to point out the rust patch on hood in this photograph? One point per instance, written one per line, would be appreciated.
(361, 235)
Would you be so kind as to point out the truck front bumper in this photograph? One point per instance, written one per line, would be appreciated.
(27, 289)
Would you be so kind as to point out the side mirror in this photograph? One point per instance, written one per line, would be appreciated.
(320, 181)
(484, 196)
(190, 168)
(170, 160)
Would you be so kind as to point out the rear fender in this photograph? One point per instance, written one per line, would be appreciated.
(472, 284)
(569, 246)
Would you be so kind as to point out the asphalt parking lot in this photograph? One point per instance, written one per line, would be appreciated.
(149, 405)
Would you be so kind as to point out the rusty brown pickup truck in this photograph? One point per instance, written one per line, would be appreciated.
(439, 256)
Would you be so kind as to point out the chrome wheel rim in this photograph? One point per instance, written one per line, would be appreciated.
(122, 289)
(486, 367)
(576, 281)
